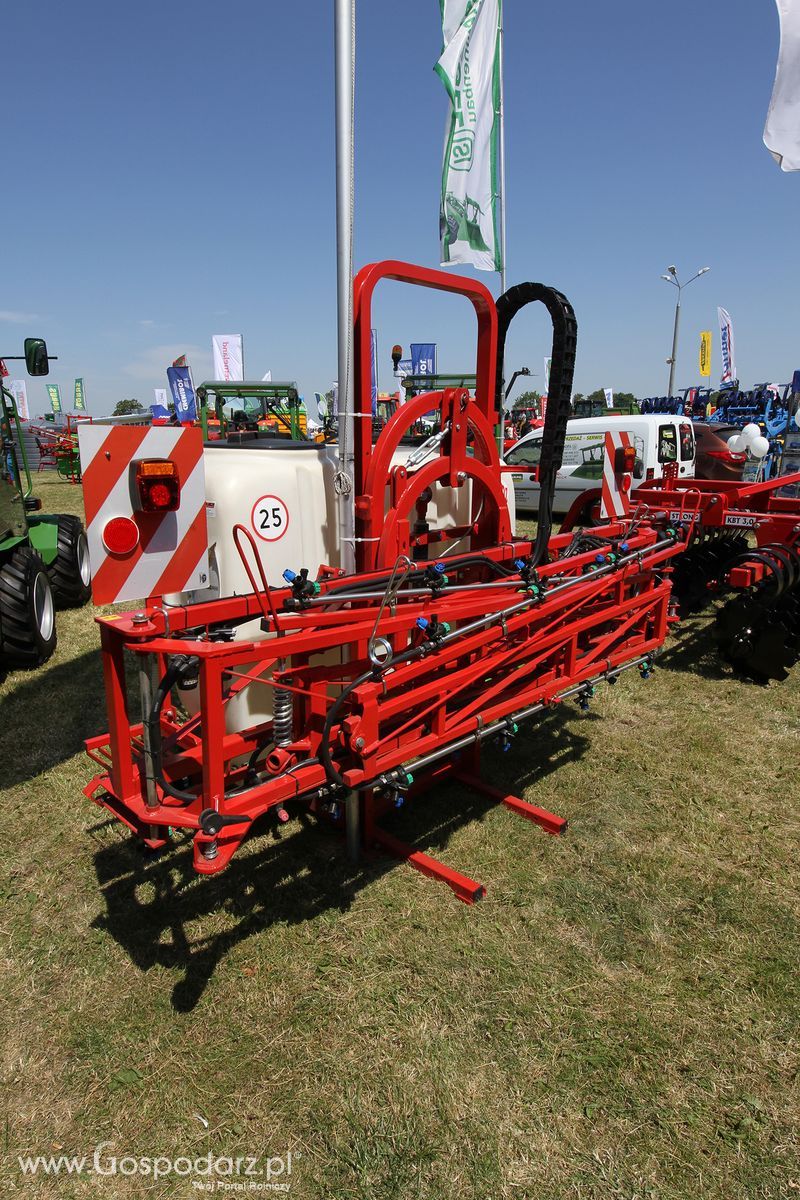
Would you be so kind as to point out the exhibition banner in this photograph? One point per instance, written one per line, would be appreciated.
(20, 393)
(180, 382)
(423, 358)
(705, 352)
(228, 351)
(469, 68)
(782, 130)
(726, 346)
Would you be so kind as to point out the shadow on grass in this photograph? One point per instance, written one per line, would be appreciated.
(152, 904)
(47, 717)
(693, 649)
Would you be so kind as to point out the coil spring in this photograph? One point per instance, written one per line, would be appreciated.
(283, 717)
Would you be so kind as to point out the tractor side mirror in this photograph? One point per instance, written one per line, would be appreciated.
(36, 356)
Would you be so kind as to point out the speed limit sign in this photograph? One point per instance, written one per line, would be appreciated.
(270, 518)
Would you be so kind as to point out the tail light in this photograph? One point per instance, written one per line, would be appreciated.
(728, 456)
(625, 460)
(158, 485)
(650, 473)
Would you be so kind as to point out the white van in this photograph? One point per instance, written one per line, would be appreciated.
(659, 440)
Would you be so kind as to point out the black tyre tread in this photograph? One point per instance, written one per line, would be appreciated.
(21, 645)
(68, 589)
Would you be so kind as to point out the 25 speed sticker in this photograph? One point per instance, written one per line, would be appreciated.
(270, 518)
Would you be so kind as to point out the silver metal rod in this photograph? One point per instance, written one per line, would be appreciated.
(352, 820)
(345, 98)
(147, 671)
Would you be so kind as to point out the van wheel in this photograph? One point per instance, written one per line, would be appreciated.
(27, 611)
(70, 573)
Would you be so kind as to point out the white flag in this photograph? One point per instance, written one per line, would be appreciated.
(469, 68)
(782, 130)
(228, 356)
(160, 397)
(726, 346)
(267, 378)
(609, 395)
(20, 394)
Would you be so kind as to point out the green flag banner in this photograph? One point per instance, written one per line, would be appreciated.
(469, 68)
(55, 397)
(79, 403)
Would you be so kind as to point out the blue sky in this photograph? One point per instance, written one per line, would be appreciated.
(168, 173)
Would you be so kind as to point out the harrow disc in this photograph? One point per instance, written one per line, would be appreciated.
(755, 638)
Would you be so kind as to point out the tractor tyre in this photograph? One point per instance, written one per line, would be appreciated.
(27, 611)
(70, 573)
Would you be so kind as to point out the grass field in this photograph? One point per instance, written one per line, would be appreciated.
(618, 1017)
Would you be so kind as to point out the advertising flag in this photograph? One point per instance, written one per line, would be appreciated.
(609, 395)
(181, 362)
(20, 394)
(469, 68)
(705, 352)
(79, 398)
(547, 363)
(228, 352)
(3, 370)
(782, 130)
(403, 368)
(55, 396)
(726, 346)
(374, 371)
(160, 397)
(423, 358)
(180, 382)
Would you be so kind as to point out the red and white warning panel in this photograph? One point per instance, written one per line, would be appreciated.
(144, 496)
(618, 463)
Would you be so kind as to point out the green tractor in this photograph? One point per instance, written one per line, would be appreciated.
(44, 559)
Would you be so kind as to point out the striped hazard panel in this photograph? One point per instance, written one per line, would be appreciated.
(136, 554)
(615, 500)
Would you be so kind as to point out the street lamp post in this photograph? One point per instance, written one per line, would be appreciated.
(672, 277)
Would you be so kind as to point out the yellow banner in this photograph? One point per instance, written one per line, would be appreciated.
(705, 352)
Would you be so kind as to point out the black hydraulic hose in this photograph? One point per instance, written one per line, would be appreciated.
(453, 564)
(559, 392)
(176, 668)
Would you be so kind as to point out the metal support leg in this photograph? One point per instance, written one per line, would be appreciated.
(548, 821)
(353, 826)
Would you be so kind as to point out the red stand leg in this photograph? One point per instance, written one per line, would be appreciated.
(465, 888)
(548, 821)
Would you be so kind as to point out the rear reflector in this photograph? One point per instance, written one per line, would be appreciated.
(158, 485)
(120, 535)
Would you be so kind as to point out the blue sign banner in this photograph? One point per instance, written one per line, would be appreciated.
(796, 381)
(374, 372)
(159, 412)
(180, 382)
(423, 358)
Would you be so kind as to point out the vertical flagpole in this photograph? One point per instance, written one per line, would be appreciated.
(345, 85)
(502, 152)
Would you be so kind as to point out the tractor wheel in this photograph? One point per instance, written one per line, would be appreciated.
(70, 574)
(27, 612)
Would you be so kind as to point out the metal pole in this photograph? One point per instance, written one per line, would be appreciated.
(502, 154)
(345, 18)
(674, 343)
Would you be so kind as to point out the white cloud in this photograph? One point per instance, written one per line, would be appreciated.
(146, 323)
(17, 318)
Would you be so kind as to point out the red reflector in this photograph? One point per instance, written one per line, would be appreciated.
(629, 458)
(158, 485)
(625, 483)
(650, 473)
(120, 535)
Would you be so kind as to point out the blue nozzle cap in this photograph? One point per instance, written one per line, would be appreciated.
(519, 563)
(623, 547)
(422, 622)
(439, 566)
(289, 576)
(600, 558)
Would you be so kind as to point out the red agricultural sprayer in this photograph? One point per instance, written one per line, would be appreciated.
(374, 685)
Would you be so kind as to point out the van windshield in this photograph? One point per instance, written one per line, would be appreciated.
(527, 453)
